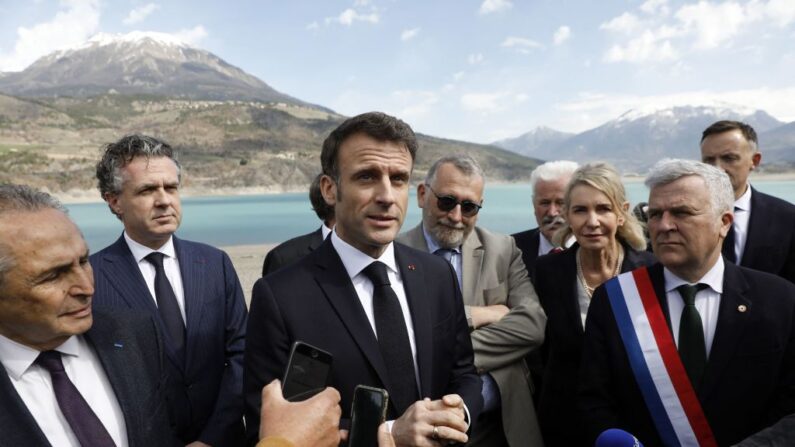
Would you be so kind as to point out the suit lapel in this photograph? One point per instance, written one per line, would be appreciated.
(316, 239)
(658, 282)
(569, 283)
(471, 265)
(124, 275)
(333, 279)
(413, 283)
(730, 328)
(192, 266)
(111, 350)
(758, 229)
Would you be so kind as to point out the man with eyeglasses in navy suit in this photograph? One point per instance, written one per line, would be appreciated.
(503, 312)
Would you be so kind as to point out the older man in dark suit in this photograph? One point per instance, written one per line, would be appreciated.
(191, 290)
(391, 316)
(549, 182)
(693, 350)
(72, 376)
(762, 236)
(296, 248)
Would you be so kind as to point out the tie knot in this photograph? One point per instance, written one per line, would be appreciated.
(155, 258)
(446, 253)
(51, 361)
(376, 272)
(688, 292)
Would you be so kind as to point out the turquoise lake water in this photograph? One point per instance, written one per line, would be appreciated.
(258, 219)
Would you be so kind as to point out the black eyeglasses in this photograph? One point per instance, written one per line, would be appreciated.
(447, 203)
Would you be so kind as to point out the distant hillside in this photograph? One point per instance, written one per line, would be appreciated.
(638, 138)
(535, 141)
(139, 63)
(54, 142)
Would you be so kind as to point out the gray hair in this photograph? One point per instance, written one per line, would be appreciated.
(463, 163)
(551, 171)
(21, 198)
(719, 187)
(119, 154)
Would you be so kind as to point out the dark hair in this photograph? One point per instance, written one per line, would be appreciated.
(726, 125)
(117, 155)
(377, 125)
(323, 210)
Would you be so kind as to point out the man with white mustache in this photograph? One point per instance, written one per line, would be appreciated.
(549, 182)
(503, 312)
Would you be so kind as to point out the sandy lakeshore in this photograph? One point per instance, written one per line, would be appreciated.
(247, 260)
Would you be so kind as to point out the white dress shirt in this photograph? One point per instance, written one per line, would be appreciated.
(34, 385)
(170, 265)
(324, 231)
(707, 301)
(742, 214)
(355, 261)
(544, 246)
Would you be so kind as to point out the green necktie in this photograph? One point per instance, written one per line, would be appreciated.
(692, 347)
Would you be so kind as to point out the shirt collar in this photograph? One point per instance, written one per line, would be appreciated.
(355, 261)
(744, 202)
(17, 358)
(324, 231)
(431, 242)
(544, 246)
(139, 251)
(713, 278)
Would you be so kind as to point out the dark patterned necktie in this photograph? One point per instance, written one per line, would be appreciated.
(167, 303)
(692, 346)
(87, 427)
(393, 339)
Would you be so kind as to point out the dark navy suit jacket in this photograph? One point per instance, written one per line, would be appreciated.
(291, 251)
(134, 361)
(749, 382)
(314, 301)
(205, 397)
(528, 241)
(770, 245)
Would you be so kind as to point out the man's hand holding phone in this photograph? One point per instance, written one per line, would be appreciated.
(309, 423)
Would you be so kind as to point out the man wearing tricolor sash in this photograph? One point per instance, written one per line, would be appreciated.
(693, 350)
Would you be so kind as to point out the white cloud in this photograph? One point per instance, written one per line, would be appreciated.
(655, 7)
(483, 102)
(72, 25)
(561, 35)
(191, 36)
(349, 16)
(415, 105)
(475, 58)
(694, 27)
(521, 97)
(409, 34)
(313, 25)
(626, 23)
(521, 44)
(713, 24)
(139, 14)
(361, 2)
(490, 6)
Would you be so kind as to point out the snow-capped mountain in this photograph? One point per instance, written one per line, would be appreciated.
(638, 138)
(138, 63)
(534, 141)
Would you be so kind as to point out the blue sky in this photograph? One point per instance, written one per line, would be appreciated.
(477, 70)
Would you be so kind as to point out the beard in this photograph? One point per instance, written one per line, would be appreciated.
(552, 223)
(448, 234)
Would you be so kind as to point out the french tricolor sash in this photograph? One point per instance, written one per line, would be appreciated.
(655, 361)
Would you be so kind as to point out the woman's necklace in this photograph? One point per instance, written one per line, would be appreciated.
(581, 277)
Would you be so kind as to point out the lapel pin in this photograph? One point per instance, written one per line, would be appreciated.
(118, 345)
(742, 308)
(411, 267)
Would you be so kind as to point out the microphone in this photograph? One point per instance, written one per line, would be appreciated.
(615, 437)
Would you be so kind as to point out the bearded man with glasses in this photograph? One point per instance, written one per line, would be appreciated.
(502, 308)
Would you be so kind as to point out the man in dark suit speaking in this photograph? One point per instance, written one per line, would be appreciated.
(190, 289)
(694, 350)
(392, 316)
(71, 376)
